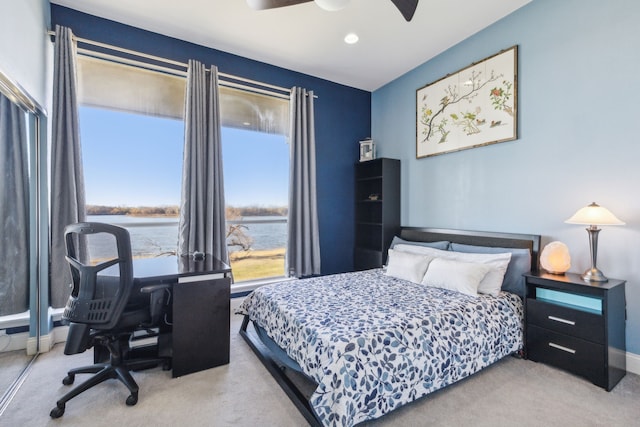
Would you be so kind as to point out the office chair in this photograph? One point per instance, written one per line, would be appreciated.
(104, 311)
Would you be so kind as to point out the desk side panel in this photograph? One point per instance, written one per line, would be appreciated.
(201, 317)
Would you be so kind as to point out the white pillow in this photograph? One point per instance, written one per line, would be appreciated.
(424, 250)
(407, 266)
(455, 275)
(492, 282)
(498, 263)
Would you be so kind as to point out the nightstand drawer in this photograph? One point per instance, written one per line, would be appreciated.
(573, 354)
(566, 320)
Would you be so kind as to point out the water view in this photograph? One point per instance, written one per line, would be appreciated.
(153, 236)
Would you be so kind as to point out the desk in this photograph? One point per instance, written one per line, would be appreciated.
(198, 338)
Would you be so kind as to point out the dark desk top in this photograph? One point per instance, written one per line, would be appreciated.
(170, 268)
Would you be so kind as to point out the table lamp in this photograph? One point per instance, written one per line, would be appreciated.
(594, 215)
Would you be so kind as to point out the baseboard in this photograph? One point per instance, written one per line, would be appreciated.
(22, 340)
(11, 342)
(633, 363)
(60, 333)
(247, 286)
(46, 344)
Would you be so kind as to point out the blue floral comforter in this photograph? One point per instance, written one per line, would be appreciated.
(374, 343)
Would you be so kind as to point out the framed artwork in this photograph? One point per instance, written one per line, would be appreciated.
(470, 108)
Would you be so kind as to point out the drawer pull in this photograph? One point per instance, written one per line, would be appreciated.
(560, 347)
(558, 319)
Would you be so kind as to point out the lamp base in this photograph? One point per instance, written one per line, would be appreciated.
(594, 275)
(557, 273)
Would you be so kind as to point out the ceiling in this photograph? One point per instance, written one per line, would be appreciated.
(308, 39)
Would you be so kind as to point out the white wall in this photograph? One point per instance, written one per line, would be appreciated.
(24, 51)
(578, 142)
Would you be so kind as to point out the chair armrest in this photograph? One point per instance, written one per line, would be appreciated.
(156, 301)
(153, 288)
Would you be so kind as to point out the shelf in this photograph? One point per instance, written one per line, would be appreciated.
(364, 248)
(376, 221)
(369, 178)
(370, 169)
(570, 300)
(368, 258)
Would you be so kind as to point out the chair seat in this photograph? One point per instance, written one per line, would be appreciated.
(132, 319)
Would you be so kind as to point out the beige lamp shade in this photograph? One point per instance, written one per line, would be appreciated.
(594, 214)
(555, 258)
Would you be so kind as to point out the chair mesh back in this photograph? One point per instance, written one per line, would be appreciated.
(100, 290)
(95, 311)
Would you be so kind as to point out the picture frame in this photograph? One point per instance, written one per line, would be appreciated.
(473, 107)
(367, 150)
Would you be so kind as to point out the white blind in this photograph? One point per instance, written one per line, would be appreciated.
(115, 86)
(246, 110)
(121, 87)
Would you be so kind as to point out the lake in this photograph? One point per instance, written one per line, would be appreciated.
(152, 236)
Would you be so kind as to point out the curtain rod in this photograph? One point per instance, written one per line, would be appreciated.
(16, 93)
(179, 73)
(92, 53)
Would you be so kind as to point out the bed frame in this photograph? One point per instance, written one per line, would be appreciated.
(299, 388)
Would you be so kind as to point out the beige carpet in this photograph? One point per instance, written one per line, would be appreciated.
(12, 364)
(512, 392)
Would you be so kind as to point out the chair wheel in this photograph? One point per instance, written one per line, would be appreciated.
(132, 399)
(68, 380)
(57, 412)
(166, 365)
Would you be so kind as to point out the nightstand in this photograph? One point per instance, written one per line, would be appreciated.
(576, 325)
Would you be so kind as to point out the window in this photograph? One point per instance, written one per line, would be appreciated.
(132, 169)
(256, 169)
(132, 133)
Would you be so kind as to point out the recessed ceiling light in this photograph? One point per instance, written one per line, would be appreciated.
(332, 5)
(351, 38)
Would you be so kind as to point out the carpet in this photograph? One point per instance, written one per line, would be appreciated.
(243, 393)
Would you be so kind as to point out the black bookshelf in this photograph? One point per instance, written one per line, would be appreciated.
(377, 211)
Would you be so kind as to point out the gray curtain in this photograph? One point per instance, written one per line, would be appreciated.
(202, 208)
(14, 210)
(67, 181)
(303, 252)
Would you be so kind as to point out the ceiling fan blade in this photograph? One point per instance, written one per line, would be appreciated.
(271, 4)
(406, 7)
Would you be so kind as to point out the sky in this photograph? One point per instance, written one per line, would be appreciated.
(136, 160)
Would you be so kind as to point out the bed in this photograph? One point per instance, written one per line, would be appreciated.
(352, 347)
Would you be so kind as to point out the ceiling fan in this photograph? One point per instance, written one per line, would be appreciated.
(406, 7)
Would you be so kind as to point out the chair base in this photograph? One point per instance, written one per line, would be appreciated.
(103, 372)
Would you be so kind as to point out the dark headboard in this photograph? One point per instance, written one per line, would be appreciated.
(478, 238)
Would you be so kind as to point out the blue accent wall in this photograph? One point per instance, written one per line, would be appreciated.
(342, 118)
(578, 139)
